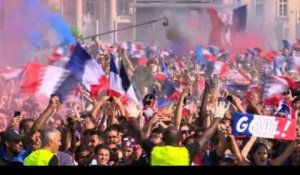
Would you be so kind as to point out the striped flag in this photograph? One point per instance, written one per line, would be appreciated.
(85, 69)
(120, 85)
(43, 79)
(58, 55)
(11, 73)
(278, 64)
(217, 68)
(274, 86)
(286, 108)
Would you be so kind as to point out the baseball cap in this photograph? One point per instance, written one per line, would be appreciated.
(13, 135)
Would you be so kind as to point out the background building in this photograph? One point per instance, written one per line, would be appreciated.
(274, 19)
(92, 17)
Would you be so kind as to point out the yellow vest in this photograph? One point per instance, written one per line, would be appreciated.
(40, 157)
(170, 156)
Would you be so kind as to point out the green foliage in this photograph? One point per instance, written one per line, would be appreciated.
(76, 33)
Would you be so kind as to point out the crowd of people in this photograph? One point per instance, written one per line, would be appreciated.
(190, 125)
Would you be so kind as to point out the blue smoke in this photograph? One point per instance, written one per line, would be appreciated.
(199, 57)
(44, 17)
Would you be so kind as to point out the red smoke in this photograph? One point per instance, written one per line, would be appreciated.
(243, 41)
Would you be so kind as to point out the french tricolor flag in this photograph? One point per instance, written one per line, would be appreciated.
(47, 79)
(120, 85)
(9, 74)
(217, 68)
(203, 55)
(277, 64)
(43, 79)
(164, 74)
(165, 54)
(131, 48)
(86, 70)
(238, 76)
(58, 55)
(273, 88)
(293, 64)
(286, 107)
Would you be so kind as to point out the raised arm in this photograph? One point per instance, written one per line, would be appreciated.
(222, 144)
(236, 150)
(238, 104)
(248, 147)
(139, 134)
(120, 106)
(193, 111)
(48, 112)
(126, 59)
(282, 157)
(178, 111)
(97, 107)
(149, 125)
(218, 114)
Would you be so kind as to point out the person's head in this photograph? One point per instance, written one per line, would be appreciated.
(149, 100)
(112, 134)
(13, 142)
(295, 157)
(189, 140)
(102, 155)
(55, 122)
(227, 161)
(88, 121)
(259, 154)
(35, 140)
(51, 139)
(171, 136)
(84, 155)
(3, 121)
(184, 131)
(156, 136)
(296, 103)
(96, 138)
(128, 144)
(25, 126)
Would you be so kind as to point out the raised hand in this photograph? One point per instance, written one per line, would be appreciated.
(185, 93)
(220, 109)
(235, 100)
(132, 110)
(15, 122)
(54, 102)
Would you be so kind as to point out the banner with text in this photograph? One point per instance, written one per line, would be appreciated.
(264, 126)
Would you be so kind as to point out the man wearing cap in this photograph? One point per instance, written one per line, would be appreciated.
(12, 152)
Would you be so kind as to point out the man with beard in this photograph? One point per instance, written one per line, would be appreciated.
(12, 152)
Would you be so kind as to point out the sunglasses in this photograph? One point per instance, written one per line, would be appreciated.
(185, 132)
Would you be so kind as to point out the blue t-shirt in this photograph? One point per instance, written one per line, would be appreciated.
(17, 159)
